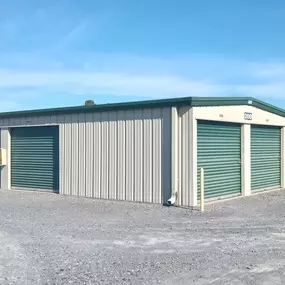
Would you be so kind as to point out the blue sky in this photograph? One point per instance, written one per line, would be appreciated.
(62, 52)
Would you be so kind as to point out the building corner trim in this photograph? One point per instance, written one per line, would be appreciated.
(174, 156)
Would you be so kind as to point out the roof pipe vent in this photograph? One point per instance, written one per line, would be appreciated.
(89, 102)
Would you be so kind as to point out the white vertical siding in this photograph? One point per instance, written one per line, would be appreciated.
(113, 143)
(82, 155)
(130, 155)
(62, 155)
(89, 153)
(138, 163)
(105, 142)
(166, 153)
(157, 156)
(75, 150)
(96, 159)
(185, 160)
(123, 155)
(67, 150)
(147, 156)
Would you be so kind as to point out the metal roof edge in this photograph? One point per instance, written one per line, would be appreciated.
(178, 102)
(219, 101)
(237, 101)
(101, 107)
(268, 107)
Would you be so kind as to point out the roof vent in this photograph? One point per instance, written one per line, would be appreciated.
(249, 102)
(89, 102)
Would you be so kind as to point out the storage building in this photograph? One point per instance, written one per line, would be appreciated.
(146, 151)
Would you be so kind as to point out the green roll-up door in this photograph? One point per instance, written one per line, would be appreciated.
(265, 157)
(35, 158)
(219, 153)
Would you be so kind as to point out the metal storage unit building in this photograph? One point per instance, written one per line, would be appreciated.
(147, 151)
(117, 152)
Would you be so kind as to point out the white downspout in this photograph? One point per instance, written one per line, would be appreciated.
(174, 156)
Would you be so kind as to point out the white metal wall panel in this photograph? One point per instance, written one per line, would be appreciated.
(67, 148)
(139, 156)
(75, 151)
(121, 150)
(185, 160)
(185, 157)
(156, 156)
(62, 155)
(105, 142)
(147, 156)
(82, 155)
(113, 155)
(124, 155)
(130, 157)
(166, 153)
(138, 149)
(97, 155)
(89, 155)
(63, 152)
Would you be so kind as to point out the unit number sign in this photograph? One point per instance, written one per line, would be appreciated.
(247, 116)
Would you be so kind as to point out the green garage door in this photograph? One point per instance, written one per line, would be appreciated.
(219, 153)
(35, 158)
(265, 157)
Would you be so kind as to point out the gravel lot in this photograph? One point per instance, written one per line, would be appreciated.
(51, 239)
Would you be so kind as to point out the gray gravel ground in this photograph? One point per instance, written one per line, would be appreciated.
(52, 239)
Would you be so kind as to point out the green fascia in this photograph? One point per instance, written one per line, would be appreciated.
(174, 102)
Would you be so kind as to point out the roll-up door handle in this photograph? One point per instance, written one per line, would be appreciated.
(239, 161)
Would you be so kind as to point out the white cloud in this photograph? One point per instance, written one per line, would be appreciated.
(124, 84)
(139, 77)
(76, 82)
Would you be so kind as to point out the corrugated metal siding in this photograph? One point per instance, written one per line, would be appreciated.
(130, 154)
(124, 155)
(82, 158)
(105, 142)
(265, 157)
(166, 153)
(185, 167)
(121, 161)
(97, 155)
(75, 153)
(157, 154)
(219, 153)
(89, 153)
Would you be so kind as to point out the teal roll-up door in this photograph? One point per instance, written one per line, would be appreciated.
(35, 158)
(265, 157)
(219, 153)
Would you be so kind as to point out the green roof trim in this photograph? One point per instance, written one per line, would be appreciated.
(174, 102)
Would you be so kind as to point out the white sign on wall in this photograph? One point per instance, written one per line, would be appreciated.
(247, 116)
